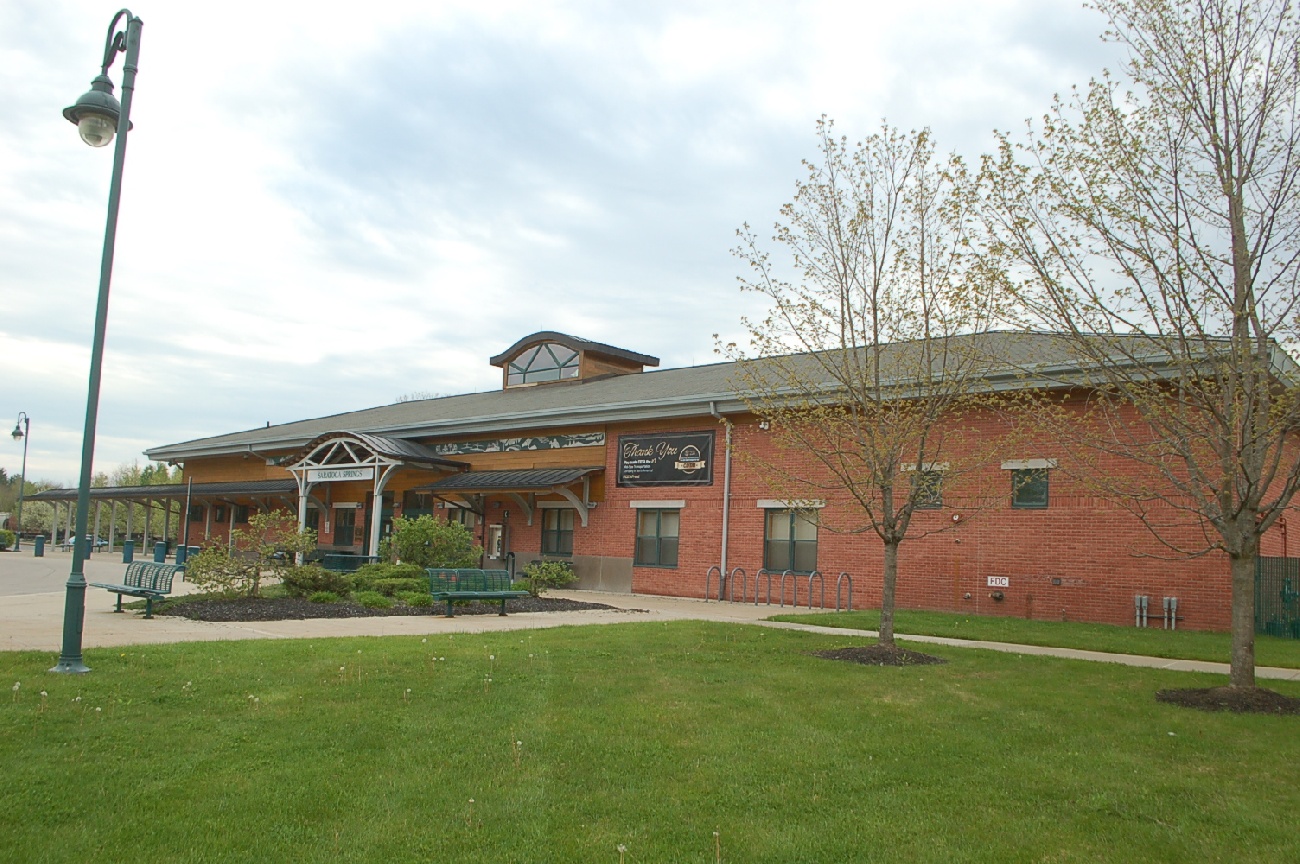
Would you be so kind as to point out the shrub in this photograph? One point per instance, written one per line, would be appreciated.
(429, 542)
(7, 538)
(416, 598)
(213, 570)
(541, 576)
(367, 575)
(393, 587)
(312, 578)
(373, 600)
(324, 597)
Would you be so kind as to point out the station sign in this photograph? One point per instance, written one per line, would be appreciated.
(338, 475)
(666, 459)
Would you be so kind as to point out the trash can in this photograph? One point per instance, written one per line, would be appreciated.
(128, 551)
(40, 545)
(181, 552)
(160, 552)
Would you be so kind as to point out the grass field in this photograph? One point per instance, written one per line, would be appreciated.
(1153, 642)
(561, 745)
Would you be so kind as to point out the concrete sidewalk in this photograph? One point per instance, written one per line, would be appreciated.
(32, 598)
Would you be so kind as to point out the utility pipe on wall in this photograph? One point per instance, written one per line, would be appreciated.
(726, 487)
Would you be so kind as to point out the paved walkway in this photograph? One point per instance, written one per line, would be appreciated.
(32, 597)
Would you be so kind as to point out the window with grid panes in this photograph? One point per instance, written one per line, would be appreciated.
(656, 537)
(557, 532)
(790, 541)
(547, 362)
(1029, 488)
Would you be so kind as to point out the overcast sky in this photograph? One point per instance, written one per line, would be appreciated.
(328, 206)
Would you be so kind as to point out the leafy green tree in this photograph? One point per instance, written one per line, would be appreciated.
(1154, 219)
(429, 542)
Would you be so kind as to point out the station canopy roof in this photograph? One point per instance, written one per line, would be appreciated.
(525, 480)
(239, 489)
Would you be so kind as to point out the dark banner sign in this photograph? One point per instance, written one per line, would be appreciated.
(668, 459)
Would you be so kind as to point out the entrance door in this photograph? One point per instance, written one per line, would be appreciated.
(345, 527)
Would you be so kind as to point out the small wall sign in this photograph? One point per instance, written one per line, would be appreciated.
(999, 581)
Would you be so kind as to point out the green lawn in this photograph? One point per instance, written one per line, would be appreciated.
(1153, 642)
(573, 741)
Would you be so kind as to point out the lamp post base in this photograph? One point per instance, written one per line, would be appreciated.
(71, 667)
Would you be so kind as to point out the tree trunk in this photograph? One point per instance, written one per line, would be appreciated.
(889, 582)
(1242, 672)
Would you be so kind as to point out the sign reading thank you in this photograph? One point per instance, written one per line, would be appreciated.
(667, 459)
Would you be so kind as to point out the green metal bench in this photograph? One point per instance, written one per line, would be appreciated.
(461, 584)
(144, 579)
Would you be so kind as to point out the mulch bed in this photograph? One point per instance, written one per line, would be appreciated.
(299, 608)
(881, 655)
(1239, 700)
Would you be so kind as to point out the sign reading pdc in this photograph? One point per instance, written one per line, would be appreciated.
(668, 459)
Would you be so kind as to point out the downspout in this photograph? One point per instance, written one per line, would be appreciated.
(726, 488)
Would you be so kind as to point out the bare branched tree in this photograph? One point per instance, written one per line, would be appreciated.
(1155, 220)
(861, 369)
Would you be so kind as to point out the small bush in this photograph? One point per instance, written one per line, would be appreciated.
(416, 598)
(324, 597)
(373, 600)
(393, 587)
(541, 576)
(7, 538)
(214, 571)
(367, 575)
(312, 578)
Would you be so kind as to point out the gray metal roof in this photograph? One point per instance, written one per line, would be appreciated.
(522, 480)
(250, 488)
(1012, 360)
(390, 448)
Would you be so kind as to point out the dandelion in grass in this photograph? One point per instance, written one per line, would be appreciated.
(44, 696)
(622, 850)
(487, 683)
(17, 686)
(717, 847)
(469, 814)
(406, 697)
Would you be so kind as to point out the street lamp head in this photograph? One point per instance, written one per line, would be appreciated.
(18, 432)
(96, 113)
(18, 427)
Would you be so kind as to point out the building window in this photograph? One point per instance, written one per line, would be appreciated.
(557, 532)
(1029, 488)
(464, 516)
(196, 512)
(219, 513)
(656, 537)
(313, 520)
(790, 541)
(241, 514)
(547, 362)
(417, 504)
(927, 489)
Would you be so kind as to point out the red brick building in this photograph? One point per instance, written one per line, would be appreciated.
(632, 475)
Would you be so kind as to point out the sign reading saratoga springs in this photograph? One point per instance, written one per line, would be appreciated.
(667, 459)
(335, 475)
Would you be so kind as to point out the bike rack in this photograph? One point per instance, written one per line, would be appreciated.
(838, 582)
(757, 576)
(744, 584)
(821, 580)
(707, 576)
(790, 573)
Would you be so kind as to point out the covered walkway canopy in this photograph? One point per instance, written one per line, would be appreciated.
(172, 497)
(522, 486)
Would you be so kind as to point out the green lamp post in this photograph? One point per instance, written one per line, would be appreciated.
(98, 117)
(22, 430)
